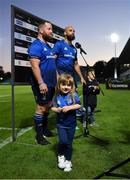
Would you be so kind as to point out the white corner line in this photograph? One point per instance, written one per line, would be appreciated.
(9, 139)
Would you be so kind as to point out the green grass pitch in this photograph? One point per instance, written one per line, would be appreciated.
(107, 145)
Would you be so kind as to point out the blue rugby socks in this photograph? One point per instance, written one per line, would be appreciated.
(39, 129)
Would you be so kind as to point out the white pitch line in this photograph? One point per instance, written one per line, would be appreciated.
(6, 128)
(6, 141)
(7, 95)
(20, 133)
(4, 101)
(26, 144)
(9, 140)
(24, 130)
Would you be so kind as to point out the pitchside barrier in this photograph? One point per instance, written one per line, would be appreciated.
(116, 84)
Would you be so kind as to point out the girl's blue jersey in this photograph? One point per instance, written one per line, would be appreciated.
(67, 119)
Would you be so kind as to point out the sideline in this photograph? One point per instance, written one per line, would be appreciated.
(5, 128)
(29, 145)
(9, 95)
(20, 133)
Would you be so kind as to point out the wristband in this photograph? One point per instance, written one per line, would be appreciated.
(40, 83)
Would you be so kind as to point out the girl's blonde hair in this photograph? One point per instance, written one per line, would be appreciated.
(66, 79)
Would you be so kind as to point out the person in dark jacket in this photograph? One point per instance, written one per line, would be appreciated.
(91, 89)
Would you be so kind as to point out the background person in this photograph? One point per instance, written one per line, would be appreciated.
(65, 104)
(91, 89)
(43, 79)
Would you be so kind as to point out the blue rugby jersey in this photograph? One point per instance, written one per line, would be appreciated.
(67, 55)
(67, 119)
(43, 52)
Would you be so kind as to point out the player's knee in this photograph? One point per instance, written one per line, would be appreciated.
(40, 109)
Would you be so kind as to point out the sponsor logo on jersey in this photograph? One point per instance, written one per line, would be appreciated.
(69, 55)
(45, 49)
(65, 48)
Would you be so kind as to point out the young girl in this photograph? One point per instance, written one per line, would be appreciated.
(65, 104)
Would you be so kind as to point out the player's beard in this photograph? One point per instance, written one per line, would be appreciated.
(71, 37)
(47, 38)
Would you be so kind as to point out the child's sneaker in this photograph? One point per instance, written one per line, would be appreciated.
(61, 162)
(68, 166)
(77, 128)
(92, 124)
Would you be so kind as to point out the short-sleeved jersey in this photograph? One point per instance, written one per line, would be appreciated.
(66, 57)
(67, 119)
(43, 52)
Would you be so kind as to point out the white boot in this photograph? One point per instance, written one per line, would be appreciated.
(61, 162)
(68, 166)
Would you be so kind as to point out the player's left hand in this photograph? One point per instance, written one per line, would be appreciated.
(82, 81)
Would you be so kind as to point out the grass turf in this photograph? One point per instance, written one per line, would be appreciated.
(106, 146)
